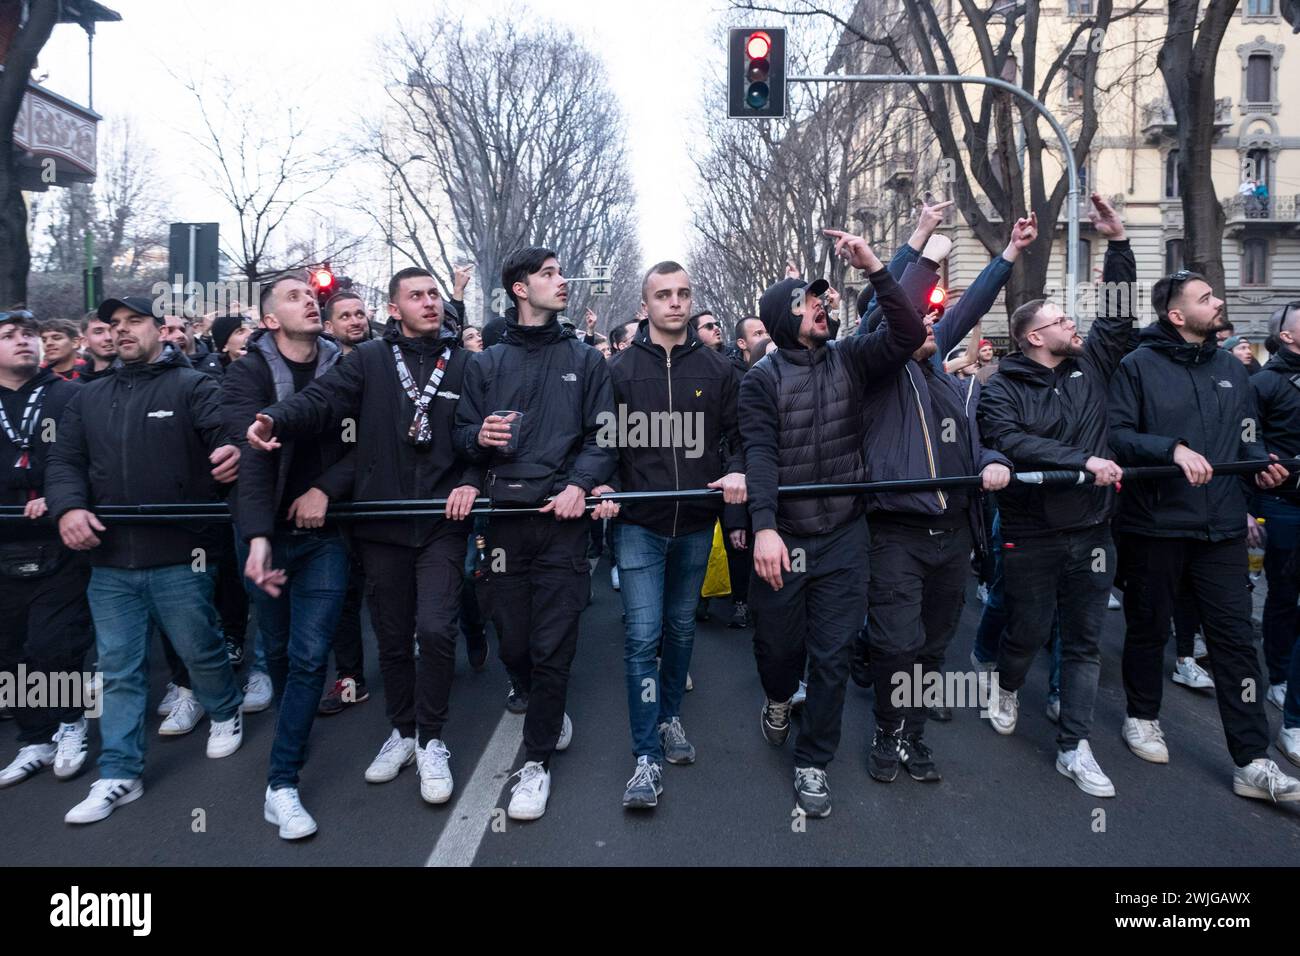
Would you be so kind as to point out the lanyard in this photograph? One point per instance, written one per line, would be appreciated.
(420, 431)
(26, 427)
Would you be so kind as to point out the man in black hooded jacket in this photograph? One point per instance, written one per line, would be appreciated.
(801, 422)
(1180, 399)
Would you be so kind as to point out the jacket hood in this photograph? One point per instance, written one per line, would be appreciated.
(1284, 362)
(534, 335)
(1164, 337)
(776, 309)
(170, 358)
(1021, 367)
(447, 335)
(43, 376)
(263, 340)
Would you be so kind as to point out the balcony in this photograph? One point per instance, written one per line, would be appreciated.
(1158, 121)
(1274, 214)
(49, 127)
(900, 170)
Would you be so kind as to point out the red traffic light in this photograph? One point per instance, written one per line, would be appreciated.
(324, 279)
(938, 296)
(758, 45)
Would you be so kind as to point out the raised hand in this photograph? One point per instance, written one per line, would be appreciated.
(1105, 219)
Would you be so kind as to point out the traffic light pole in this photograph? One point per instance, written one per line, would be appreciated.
(1072, 200)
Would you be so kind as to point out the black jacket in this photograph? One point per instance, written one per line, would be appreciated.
(801, 418)
(674, 415)
(249, 386)
(20, 485)
(362, 398)
(1168, 392)
(140, 436)
(1277, 397)
(1043, 418)
(561, 386)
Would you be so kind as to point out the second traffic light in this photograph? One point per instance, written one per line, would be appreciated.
(756, 72)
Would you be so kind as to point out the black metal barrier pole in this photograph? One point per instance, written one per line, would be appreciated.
(382, 510)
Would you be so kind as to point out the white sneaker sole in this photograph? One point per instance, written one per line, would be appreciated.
(386, 777)
(165, 731)
(69, 771)
(437, 796)
(269, 816)
(1255, 793)
(225, 750)
(1178, 678)
(1149, 757)
(1002, 729)
(257, 708)
(525, 815)
(1088, 788)
(130, 797)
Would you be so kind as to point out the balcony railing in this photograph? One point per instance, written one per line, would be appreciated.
(49, 127)
(1283, 208)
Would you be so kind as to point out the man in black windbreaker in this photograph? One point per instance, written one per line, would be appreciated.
(530, 417)
(396, 398)
(298, 574)
(676, 406)
(150, 433)
(1277, 392)
(801, 422)
(44, 618)
(1180, 399)
(1045, 408)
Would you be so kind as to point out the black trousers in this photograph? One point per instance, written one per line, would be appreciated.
(814, 616)
(45, 625)
(349, 658)
(416, 591)
(1215, 574)
(537, 588)
(914, 601)
(230, 597)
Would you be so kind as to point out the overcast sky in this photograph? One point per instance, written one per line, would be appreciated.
(323, 55)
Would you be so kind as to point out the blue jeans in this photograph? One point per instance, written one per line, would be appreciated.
(1281, 620)
(660, 580)
(295, 632)
(124, 603)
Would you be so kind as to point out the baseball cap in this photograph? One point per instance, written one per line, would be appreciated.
(139, 304)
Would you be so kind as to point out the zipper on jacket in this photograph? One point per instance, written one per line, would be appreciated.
(925, 435)
(677, 481)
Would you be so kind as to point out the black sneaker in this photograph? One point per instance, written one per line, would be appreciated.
(918, 759)
(345, 692)
(775, 720)
(644, 788)
(476, 645)
(812, 796)
(516, 700)
(740, 616)
(940, 714)
(882, 760)
(235, 652)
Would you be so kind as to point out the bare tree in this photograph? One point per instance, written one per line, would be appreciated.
(976, 132)
(499, 139)
(1187, 61)
(262, 168)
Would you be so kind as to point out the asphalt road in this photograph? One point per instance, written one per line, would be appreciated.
(1001, 801)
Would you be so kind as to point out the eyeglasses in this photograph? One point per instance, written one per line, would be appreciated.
(1061, 321)
(708, 325)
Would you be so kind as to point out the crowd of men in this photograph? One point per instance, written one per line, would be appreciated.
(309, 408)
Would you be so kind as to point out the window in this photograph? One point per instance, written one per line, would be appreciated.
(1083, 273)
(1257, 163)
(1171, 175)
(1254, 262)
(1259, 78)
(1259, 8)
(1075, 77)
(1173, 256)
(1080, 8)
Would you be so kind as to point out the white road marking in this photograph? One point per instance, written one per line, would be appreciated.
(459, 841)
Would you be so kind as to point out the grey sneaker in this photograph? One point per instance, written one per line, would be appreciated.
(677, 749)
(645, 786)
(1262, 779)
(775, 720)
(812, 796)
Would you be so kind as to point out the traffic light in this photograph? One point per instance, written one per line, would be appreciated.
(756, 72)
(938, 296)
(322, 280)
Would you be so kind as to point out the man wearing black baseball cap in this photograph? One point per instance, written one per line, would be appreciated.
(801, 422)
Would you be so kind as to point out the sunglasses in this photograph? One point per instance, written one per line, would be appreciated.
(16, 314)
(709, 325)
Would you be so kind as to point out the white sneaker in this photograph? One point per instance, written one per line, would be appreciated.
(1004, 711)
(396, 753)
(566, 734)
(257, 693)
(1146, 739)
(982, 594)
(225, 736)
(435, 773)
(1081, 766)
(169, 700)
(613, 577)
(184, 715)
(105, 797)
(70, 749)
(690, 684)
(1114, 604)
(528, 797)
(1199, 650)
(284, 809)
(979, 665)
(1262, 779)
(1277, 695)
(1054, 709)
(1288, 741)
(1191, 674)
(31, 759)
(800, 696)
